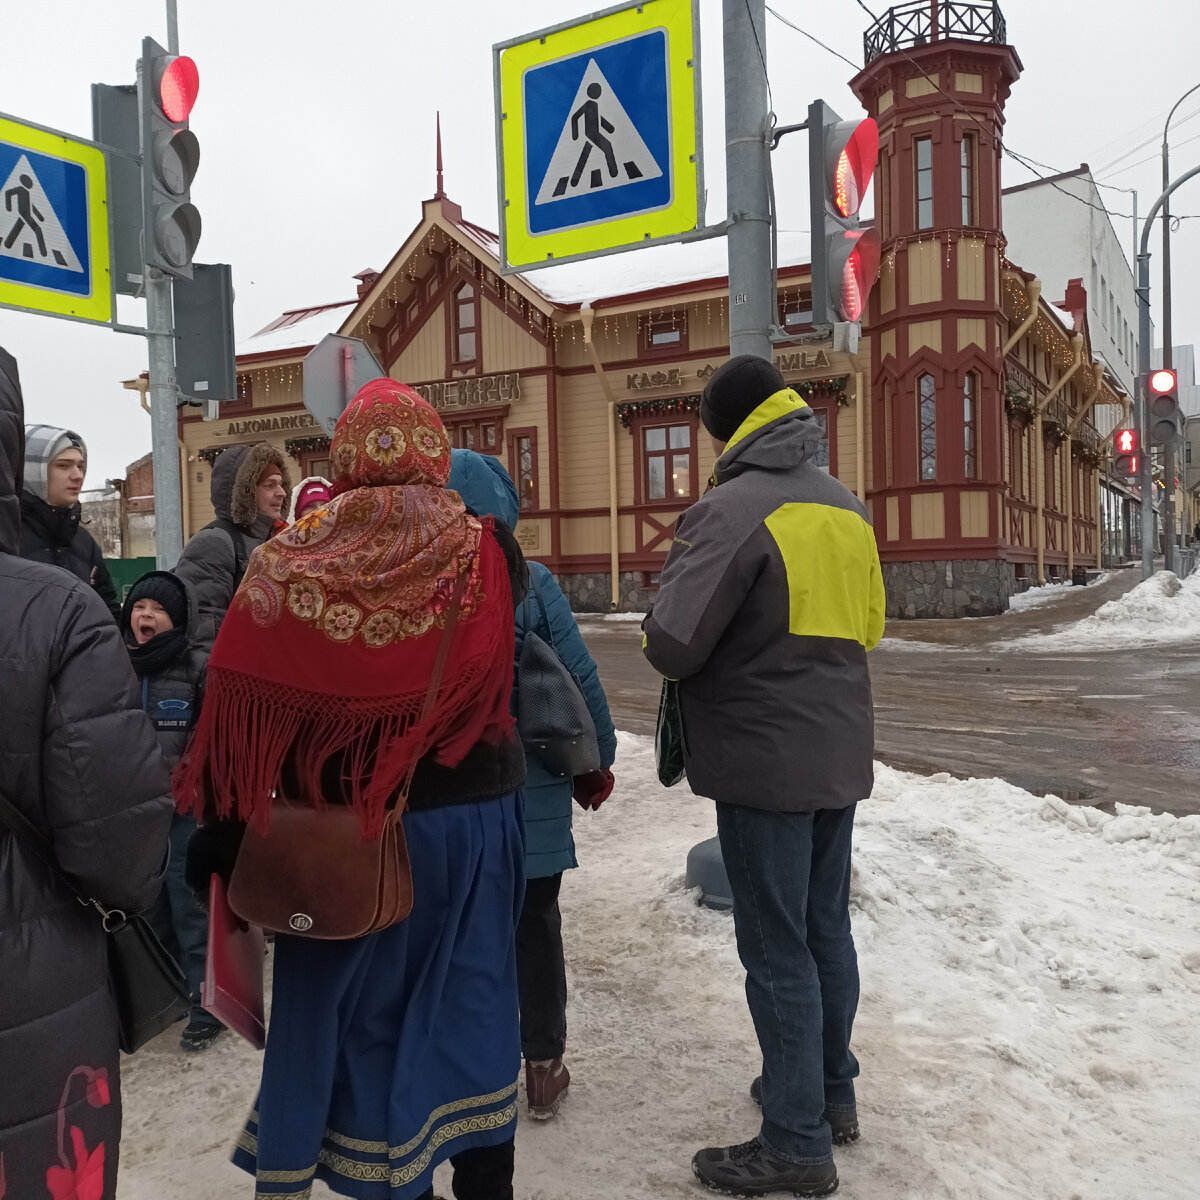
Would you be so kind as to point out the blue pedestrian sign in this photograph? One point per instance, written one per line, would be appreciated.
(53, 224)
(597, 132)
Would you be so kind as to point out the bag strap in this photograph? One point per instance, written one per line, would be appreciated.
(537, 591)
(33, 837)
(241, 560)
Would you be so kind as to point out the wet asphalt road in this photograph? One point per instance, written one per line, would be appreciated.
(1107, 727)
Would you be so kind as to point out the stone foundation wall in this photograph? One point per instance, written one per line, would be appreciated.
(954, 588)
(592, 593)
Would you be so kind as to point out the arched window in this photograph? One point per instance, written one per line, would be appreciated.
(971, 426)
(927, 410)
(464, 324)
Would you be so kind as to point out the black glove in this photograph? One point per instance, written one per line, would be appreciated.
(211, 850)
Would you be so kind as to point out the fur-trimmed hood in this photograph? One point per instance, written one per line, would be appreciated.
(235, 478)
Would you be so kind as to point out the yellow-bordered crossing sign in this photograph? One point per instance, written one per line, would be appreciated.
(598, 134)
(53, 224)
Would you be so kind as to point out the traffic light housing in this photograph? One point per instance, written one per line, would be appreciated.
(1125, 453)
(168, 84)
(844, 252)
(1162, 396)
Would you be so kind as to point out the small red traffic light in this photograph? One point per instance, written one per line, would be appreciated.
(855, 166)
(858, 274)
(178, 87)
(1126, 441)
(1162, 382)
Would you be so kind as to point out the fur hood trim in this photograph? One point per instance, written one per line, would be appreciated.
(235, 480)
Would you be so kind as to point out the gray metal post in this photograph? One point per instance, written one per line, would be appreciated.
(1145, 477)
(164, 427)
(747, 162)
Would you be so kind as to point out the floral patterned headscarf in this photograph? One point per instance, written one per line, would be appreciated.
(327, 650)
(388, 435)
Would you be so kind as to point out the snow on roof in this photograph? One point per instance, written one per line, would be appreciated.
(298, 328)
(651, 267)
(1068, 318)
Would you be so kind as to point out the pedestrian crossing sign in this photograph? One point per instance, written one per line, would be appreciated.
(53, 224)
(597, 132)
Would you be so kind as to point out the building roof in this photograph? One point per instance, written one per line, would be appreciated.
(296, 329)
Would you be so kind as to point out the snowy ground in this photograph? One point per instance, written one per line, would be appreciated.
(1161, 610)
(1028, 1025)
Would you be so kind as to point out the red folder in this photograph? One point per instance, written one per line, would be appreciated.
(233, 969)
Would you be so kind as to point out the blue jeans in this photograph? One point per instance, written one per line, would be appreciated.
(789, 874)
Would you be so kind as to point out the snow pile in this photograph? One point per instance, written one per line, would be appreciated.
(1030, 979)
(1035, 597)
(1159, 611)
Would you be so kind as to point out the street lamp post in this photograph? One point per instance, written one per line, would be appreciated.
(1167, 356)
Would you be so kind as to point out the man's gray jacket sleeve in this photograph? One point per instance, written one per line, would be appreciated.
(208, 566)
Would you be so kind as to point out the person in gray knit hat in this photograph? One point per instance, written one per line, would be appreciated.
(249, 490)
(55, 466)
(767, 604)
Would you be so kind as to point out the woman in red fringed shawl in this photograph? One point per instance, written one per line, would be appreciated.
(392, 1052)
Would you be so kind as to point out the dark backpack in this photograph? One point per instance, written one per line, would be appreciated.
(241, 559)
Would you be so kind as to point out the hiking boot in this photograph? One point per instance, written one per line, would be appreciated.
(199, 1035)
(843, 1122)
(546, 1082)
(752, 1170)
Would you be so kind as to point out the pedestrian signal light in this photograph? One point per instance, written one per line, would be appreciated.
(168, 85)
(1162, 397)
(845, 253)
(1125, 460)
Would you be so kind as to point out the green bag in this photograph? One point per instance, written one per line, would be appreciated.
(668, 736)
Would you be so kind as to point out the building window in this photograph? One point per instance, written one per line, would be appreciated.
(464, 324)
(665, 333)
(970, 425)
(967, 171)
(883, 208)
(482, 434)
(522, 458)
(923, 149)
(927, 403)
(668, 462)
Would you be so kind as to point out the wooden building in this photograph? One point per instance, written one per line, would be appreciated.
(964, 419)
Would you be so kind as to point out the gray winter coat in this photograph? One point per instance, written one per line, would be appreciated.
(767, 605)
(78, 759)
(213, 562)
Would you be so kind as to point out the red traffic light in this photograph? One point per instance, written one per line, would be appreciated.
(177, 88)
(855, 163)
(1126, 441)
(858, 271)
(1162, 382)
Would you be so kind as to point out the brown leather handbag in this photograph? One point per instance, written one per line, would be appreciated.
(313, 873)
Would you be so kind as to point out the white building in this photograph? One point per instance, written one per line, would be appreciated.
(1057, 227)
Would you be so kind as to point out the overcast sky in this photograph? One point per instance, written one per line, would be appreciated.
(316, 126)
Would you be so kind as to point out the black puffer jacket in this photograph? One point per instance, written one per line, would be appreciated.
(214, 560)
(52, 534)
(80, 761)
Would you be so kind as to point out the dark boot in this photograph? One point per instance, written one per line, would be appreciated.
(750, 1169)
(546, 1083)
(484, 1173)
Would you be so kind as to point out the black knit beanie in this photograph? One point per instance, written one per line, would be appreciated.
(166, 590)
(735, 390)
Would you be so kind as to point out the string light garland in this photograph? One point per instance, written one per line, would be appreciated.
(676, 405)
(210, 454)
(833, 386)
(305, 445)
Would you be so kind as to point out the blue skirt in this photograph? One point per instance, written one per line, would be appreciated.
(388, 1054)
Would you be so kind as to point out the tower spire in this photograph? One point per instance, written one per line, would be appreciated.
(440, 193)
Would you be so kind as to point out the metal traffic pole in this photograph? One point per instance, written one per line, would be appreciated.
(1145, 476)
(164, 400)
(747, 163)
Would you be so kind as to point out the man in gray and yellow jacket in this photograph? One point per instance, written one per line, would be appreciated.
(767, 605)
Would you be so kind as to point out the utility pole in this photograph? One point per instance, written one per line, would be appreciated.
(164, 398)
(1145, 476)
(747, 164)
(1167, 345)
